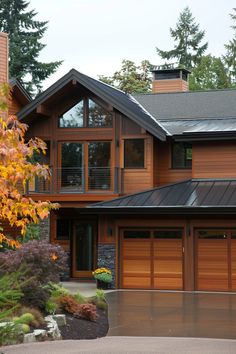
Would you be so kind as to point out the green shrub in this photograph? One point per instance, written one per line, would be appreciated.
(25, 328)
(11, 334)
(56, 289)
(102, 305)
(37, 315)
(100, 295)
(26, 318)
(51, 307)
(80, 298)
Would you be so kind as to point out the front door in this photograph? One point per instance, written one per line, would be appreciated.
(84, 250)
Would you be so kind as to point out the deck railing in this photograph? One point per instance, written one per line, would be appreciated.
(78, 180)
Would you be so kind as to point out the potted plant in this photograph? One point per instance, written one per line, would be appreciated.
(103, 277)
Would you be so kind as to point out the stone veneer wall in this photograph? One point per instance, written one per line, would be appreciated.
(107, 258)
(44, 229)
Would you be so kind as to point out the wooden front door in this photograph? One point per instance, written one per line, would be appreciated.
(152, 259)
(215, 260)
(84, 250)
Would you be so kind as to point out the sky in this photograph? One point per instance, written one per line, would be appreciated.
(94, 36)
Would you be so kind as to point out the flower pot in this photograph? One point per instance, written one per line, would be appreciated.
(102, 285)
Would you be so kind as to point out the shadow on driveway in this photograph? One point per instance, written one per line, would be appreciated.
(173, 314)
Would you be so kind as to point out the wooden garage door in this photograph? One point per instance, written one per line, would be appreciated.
(215, 260)
(152, 259)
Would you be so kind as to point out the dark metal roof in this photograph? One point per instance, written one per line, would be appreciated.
(191, 127)
(190, 194)
(121, 101)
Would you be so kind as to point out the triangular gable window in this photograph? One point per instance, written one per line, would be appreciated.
(86, 113)
(74, 118)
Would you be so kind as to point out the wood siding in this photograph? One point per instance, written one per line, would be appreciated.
(163, 172)
(170, 85)
(214, 159)
(135, 180)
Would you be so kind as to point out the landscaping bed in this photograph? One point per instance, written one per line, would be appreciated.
(34, 306)
(77, 328)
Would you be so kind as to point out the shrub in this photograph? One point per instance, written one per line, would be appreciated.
(10, 292)
(100, 295)
(26, 318)
(87, 312)
(11, 334)
(56, 289)
(69, 304)
(51, 307)
(45, 261)
(102, 305)
(34, 295)
(80, 298)
(37, 315)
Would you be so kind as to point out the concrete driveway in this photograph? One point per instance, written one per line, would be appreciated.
(172, 314)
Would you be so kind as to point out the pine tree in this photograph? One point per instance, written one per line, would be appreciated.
(187, 36)
(131, 78)
(210, 73)
(230, 56)
(25, 34)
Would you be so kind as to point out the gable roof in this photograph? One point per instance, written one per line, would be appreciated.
(191, 195)
(193, 113)
(121, 101)
(23, 95)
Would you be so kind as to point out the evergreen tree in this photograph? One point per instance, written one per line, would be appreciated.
(131, 78)
(230, 56)
(25, 34)
(210, 73)
(187, 36)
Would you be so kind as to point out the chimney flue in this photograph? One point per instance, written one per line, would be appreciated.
(170, 80)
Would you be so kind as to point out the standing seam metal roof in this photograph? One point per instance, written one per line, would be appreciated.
(191, 193)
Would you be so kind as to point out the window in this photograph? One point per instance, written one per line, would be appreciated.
(63, 229)
(181, 155)
(98, 117)
(134, 153)
(86, 113)
(74, 118)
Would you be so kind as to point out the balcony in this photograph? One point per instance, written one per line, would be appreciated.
(75, 180)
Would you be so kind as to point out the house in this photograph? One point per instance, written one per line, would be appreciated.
(146, 183)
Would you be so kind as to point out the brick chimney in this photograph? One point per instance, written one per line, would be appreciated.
(170, 80)
(3, 57)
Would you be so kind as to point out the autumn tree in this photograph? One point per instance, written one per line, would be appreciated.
(25, 34)
(210, 73)
(131, 78)
(230, 56)
(187, 36)
(16, 169)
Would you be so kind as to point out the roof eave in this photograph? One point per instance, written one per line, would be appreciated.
(167, 210)
(201, 136)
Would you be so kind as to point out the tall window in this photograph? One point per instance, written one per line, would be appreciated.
(181, 155)
(134, 153)
(86, 113)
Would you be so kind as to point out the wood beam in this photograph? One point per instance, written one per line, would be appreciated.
(42, 109)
